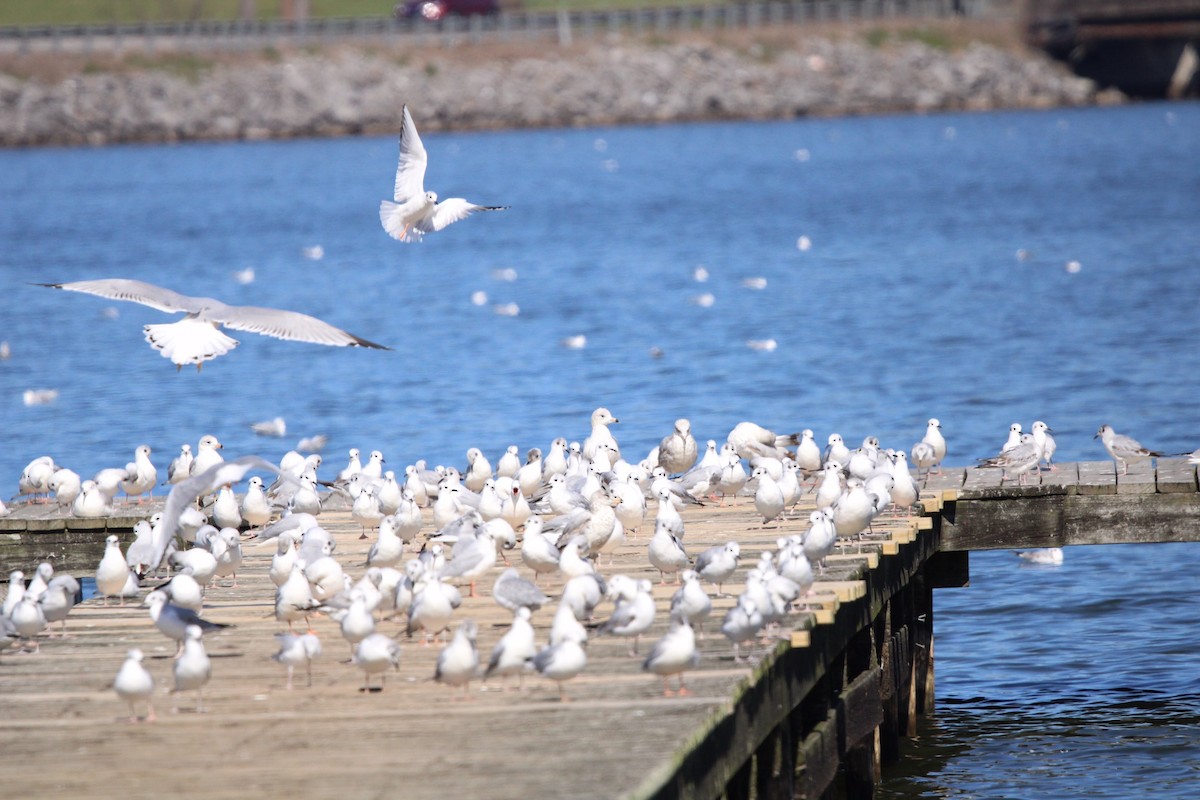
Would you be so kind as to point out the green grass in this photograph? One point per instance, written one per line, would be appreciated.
(929, 37)
(106, 12)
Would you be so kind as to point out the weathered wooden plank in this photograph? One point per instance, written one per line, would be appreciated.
(948, 478)
(820, 754)
(1175, 475)
(1063, 520)
(1003, 523)
(860, 708)
(1132, 519)
(1065, 476)
(1096, 477)
(1138, 478)
(980, 478)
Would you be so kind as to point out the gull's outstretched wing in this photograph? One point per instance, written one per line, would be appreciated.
(410, 171)
(449, 211)
(134, 292)
(290, 325)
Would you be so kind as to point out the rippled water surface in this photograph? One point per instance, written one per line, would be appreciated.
(911, 301)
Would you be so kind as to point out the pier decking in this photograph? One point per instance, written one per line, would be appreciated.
(827, 703)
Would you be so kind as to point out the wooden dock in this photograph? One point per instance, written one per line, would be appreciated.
(823, 708)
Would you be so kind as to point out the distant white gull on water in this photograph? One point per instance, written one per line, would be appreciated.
(197, 337)
(415, 211)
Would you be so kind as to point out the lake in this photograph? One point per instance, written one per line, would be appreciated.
(980, 268)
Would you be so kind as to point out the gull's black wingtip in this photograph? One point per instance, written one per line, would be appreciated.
(361, 342)
(47, 285)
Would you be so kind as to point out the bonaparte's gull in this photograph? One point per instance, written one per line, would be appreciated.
(634, 613)
(560, 662)
(459, 660)
(934, 438)
(1014, 437)
(516, 647)
(135, 686)
(512, 592)
(718, 563)
(1016, 460)
(295, 650)
(1122, 448)
(1041, 435)
(174, 621)
(192, 669)
(690, 601)
(415, 211)
(181, 466)
(674, 653)
(374, 655)
(751, 439)
(666, 553)
(741, 624)
(197, 337)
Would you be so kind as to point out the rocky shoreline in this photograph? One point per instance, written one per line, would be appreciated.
(348, 91)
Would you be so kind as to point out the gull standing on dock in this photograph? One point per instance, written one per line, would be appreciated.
(192, 668)
(1045, 442)
(373, 656)
(750, 439)
(673, 654)
(635, 610)
(933, 437)
(415, 211)
(459, 660)
(1122, 448)
(135, 685)
(174, 621)
(197, 337)
(1016, 460)
(677, 451)
(561, 661)
(601, 435)
(296, 650)
(113, 572)
(516, 647)
(718, 563)
(207, 455)
(181, 466)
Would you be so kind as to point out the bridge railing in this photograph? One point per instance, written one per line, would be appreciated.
(563, 25)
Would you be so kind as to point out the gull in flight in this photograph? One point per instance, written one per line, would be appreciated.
(415, 211)
(197, 337)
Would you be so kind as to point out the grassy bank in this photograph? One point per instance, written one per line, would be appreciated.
(762, 43)
(107, 12)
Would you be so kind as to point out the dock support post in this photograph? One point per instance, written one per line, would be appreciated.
(923, 671)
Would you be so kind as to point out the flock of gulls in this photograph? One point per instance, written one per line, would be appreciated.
(439, 533)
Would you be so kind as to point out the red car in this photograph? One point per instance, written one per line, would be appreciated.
(434, 10)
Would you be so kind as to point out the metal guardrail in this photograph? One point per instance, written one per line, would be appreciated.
(562, 25)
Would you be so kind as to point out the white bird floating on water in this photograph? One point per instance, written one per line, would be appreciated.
(415, 211)
(1050, 556)
(197, 337)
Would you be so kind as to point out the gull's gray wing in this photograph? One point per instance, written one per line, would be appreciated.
(280, 324)
(410, 170)
(450, 210)
(134, 292)
(187, 492)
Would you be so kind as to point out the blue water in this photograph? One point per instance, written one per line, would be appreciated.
(911, 302)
